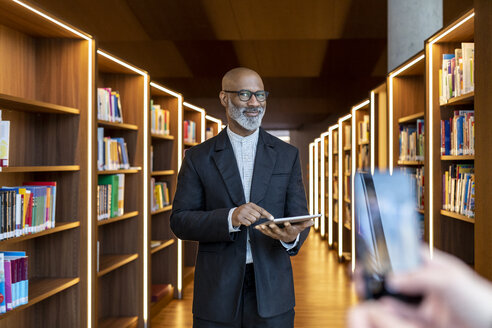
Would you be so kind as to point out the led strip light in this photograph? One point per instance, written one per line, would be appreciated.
(317, 142)
(340, 189)
(323, 180)
(330, 184)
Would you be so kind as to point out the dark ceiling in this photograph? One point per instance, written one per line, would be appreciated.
(317, 57)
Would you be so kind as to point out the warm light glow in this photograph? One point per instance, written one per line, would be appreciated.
(89, 189)
(198, 109)
(316, 180)
(166, 90)
(51, 19)
(202, 129)
(311, 178)
(213, 119)
(330, 183)
(452, 28)
(145, 201)
(180, 160)
(323, 180)
(340, 184)
(390, 107)
(373, 132)
(362, 104)
(122, 63)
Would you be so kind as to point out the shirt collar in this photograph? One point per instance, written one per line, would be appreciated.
(238, 138)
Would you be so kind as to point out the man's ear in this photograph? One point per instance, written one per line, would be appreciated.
(223, 98)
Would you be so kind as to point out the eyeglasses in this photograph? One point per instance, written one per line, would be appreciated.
(245, 95)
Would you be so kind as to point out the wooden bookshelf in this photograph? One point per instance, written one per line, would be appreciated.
(212, 124)
(483, 135)
(190, 144)
(165, 162)
(411, 118)
(379, 103)
(452, 232)
(410, 163)
(44, 93)
(118, 322)
(344, 236)
(125, 216)
(121, 239)
(161, 136)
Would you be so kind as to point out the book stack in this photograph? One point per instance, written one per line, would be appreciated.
(110, 196)
(458, 185)
(209, 133)
(160, 119)
(109, 105)
(14, 282)
(160, 195)
(364, 130)
(4, 141)
(458, 134)
(412, 141)
(112, 153)
(27, 209)
(189, 131)
(456, 77)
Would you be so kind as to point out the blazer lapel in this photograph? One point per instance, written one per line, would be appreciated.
(265, 159)
(226, 164)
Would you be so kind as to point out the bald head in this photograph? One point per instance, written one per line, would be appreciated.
(242, 78)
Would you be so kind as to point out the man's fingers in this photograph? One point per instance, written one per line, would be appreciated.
(264, 213)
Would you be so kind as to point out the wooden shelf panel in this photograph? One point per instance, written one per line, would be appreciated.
(457, 216)
(164, 244)
(162, 210)
(125, 216)
(117, 322)
(59, 226)
(190, 144)
(117, 126)
(411, 118)
(162, 173)
(458, 158)
(41, 289)
(411, 163)
(161, 136)
(27, 169)
(27, 105)
(110, 263)
(465, 99)
(127, 171)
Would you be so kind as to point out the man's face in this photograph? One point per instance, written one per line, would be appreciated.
(248, 114)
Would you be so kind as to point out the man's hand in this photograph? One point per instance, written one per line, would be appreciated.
(288, 234)
(249, 213)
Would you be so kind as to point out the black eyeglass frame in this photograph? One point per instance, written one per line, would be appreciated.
(251, 93)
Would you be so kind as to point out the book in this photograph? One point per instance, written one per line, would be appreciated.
(458, 184)
(458, 134)
(189, 131)
(4, 143)
(109, 105)
(159, 119)
(112, 153)
(3, 298)
(15, 266)
(113, 181)
(456, 75)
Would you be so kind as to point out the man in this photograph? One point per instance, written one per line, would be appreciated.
(226, 186)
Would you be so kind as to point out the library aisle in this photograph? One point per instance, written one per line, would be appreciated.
(323, 291)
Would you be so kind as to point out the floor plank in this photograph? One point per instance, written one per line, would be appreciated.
(323, 291)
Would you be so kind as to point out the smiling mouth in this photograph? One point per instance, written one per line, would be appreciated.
(251, 113)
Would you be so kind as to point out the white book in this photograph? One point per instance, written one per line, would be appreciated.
(468, 51)
(4, 143)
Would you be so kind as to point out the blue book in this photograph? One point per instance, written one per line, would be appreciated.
(19, 286)
(447, 137)
(459, 132)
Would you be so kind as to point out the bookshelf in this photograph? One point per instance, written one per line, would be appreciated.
(332, 186)
(324, 177)
(317, 182)
(164, 167)
(379, 127)
(189, 249)
(212, 126)
(46, 69)
(406, 105)
(344, 181)
(123, 240)
(448, 230)
(361, 158)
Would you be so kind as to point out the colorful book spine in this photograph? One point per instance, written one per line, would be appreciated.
(458, 186)
(4, 143)
(458, 134)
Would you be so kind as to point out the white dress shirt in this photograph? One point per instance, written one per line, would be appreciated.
(245, 151)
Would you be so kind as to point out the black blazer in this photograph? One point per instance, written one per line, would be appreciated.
(209, 185)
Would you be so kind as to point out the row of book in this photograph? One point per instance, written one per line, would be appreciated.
(458, 185)
(347, 133)
(27, 209)
(4, 141)
(109, 105)
(189, 131)
(458, 134)
(112, 153)
(209, 133)
(418, 184)
(160, 194)
(160, 119)
(456, 76)
(14, 281)
(412, 141)
(364, 130)
(110, 196)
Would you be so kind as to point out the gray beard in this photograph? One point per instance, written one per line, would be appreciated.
(246, 122)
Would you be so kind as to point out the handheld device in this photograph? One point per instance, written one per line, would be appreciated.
(386, 235)
(292, 219)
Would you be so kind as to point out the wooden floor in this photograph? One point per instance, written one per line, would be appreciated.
(323, 291)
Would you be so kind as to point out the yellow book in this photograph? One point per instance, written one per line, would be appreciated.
(446, 193)
(22, 191)
(159, 196)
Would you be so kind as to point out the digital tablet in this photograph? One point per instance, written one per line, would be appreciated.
(292, 219)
